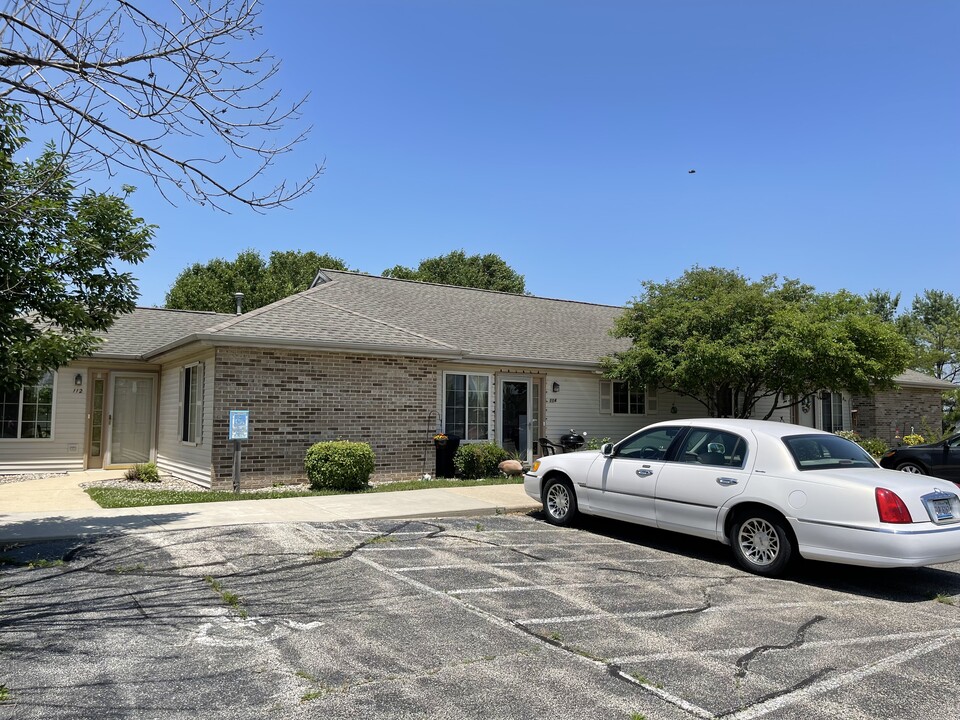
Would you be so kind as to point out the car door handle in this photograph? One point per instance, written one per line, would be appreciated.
(644, 473)
(726, 481)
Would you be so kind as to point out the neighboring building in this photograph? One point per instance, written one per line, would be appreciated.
(357, 357)
(915, 406)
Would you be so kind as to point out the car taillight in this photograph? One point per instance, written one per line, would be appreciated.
(891, 508)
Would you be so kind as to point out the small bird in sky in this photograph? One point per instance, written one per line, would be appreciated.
(691, 172)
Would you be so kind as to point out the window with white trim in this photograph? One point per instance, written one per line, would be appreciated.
(466, 405)
(191, 403)
(27, 414)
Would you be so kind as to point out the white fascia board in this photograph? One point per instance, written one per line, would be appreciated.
(507, 361)
(372, 349)
(298, 344)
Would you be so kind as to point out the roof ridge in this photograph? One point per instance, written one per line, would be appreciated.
(256, 312)
(464, 287)
(381, 322)
(180, 310)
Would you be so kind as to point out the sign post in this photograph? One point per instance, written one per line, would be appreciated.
(239, 430)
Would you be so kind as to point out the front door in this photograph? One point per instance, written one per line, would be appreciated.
(130, 424)
(516, 417)
(96, 419)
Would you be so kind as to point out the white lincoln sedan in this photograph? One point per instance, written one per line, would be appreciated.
(769, 490)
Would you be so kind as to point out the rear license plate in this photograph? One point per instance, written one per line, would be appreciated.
(942, 509)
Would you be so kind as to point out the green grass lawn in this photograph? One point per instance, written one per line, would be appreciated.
(109, 497)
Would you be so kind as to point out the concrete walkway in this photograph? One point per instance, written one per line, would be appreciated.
(57, 508)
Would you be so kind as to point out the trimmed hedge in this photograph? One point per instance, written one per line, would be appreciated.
(339, 465)
(479, 460)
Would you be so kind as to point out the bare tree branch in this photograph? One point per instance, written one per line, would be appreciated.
(139, 86)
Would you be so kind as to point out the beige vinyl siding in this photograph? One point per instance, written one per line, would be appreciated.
(577, 406)
(188, 461)
(64, 451)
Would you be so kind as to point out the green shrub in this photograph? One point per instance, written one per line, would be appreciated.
(339, 465)
(596, 443)
(874, 446)
(912, 439)
(144, 472)
(479, 460)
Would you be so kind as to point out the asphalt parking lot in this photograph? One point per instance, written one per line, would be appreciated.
(494, 617)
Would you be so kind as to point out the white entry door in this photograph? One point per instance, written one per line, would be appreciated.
(130, 422)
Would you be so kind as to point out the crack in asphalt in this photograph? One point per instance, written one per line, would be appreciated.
(810, 680)
(744, 661)
(496, 545)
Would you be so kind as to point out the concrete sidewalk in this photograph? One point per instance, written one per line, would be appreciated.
(57, 508)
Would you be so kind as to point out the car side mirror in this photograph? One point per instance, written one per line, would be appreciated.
(606, 449)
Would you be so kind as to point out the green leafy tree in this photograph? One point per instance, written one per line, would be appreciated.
(932, 327)
(883, 304)
(727, 342)
(951, 410)
(59, 281)
(488, 272)
(211, 286)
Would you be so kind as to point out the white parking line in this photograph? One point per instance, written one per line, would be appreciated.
(484, 546)
(669, 697)
(524, 588)
(738, 652)
(838, 681)
(531, 562)
(673, 611)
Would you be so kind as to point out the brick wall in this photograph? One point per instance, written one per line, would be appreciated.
(297, 398)
(890, 412)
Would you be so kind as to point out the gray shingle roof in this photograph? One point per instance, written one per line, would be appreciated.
(136, 334)
(919, 379)
(369, 311)
(357, 311)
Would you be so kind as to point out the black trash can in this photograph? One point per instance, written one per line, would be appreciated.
(445, 453)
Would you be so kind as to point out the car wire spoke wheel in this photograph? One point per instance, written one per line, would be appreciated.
(759, 541)
(558, 501)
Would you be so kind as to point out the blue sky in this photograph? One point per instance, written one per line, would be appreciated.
(825, 138)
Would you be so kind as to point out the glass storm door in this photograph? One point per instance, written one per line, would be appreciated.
(131, 422)
(97, 418)
(516, 417)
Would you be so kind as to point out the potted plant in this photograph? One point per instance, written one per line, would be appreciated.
(440, 440)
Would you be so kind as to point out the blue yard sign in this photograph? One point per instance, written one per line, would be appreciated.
(239, 424)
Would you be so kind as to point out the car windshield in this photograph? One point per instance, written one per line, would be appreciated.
(826, 452)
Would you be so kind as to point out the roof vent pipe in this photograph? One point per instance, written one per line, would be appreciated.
(238, 296)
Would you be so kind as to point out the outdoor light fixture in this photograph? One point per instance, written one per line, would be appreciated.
(556, 387)
(673, 409)
(78, 379)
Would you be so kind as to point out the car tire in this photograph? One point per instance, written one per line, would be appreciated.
(761, 542)
(559, 502)
(913, 468)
